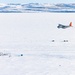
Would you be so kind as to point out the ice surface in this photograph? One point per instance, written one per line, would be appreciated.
(27, 46)
(37, 7)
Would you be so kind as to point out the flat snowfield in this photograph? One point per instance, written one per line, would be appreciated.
(31, 44)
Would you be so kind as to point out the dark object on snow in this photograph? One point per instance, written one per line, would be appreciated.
(59, 65)
(4, 54)
(65, 41)
(53, 40)
(21, 54)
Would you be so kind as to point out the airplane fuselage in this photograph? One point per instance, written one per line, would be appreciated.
(62, 26)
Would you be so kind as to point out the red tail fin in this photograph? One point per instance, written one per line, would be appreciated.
(70, 23)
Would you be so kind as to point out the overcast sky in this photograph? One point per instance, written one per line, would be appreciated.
(37, 1)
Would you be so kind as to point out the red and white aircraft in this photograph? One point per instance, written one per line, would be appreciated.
(64, 26)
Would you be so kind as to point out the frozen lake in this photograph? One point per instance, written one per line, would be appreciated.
(27, 47)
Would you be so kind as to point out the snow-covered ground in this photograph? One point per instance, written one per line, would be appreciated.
(27, 47)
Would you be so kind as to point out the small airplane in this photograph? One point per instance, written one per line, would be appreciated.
(64, 26)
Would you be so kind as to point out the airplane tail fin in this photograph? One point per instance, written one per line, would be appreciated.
(70, 24)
